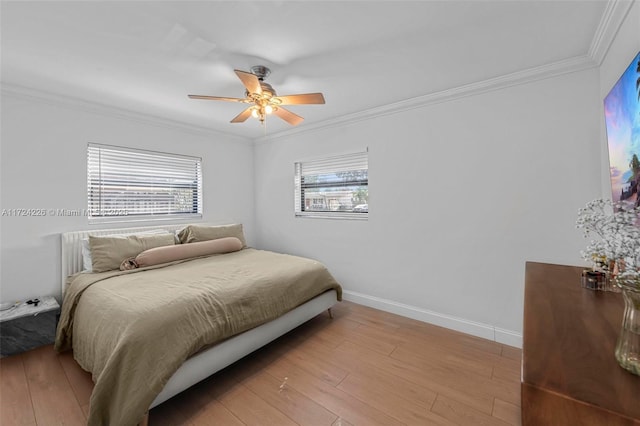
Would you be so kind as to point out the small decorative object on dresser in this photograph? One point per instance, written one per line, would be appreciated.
(28, 325)
(594, 280)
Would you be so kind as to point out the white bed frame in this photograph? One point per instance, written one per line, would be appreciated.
(214, 359)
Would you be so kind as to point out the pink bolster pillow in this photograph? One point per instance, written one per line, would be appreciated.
(158, 255)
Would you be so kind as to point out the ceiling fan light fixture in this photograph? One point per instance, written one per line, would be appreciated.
(265, 99)
(267, 91)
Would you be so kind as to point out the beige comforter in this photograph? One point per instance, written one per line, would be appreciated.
(133, 329)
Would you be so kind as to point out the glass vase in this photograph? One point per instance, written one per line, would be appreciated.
(628, 346)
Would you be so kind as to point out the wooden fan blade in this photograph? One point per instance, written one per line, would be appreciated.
(288, 116)
(216, 98)
(250, 81)
(242, 117)
(302, 99)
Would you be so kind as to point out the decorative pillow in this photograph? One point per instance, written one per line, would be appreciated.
(196, 233)
(107, 253)
(87, 263)
(158, 255)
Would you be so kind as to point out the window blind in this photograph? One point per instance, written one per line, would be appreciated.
(336, 187)
(140, 184)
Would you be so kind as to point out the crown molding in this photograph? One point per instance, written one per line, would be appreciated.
(614, 14)
(23, 92)
(554, 69)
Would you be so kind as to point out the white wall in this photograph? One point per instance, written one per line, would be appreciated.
(43, 165)
(462, 194)
(623, 49)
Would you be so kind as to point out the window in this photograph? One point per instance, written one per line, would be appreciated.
(133, 184)
(336, 187)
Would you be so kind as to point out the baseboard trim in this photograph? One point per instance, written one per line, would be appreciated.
(485, 331)
(508, 337)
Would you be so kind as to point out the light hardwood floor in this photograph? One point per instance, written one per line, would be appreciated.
(363, 367)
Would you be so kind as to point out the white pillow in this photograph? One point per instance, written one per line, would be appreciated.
(87, 262)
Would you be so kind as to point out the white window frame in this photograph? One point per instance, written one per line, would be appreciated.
(340, 163)
(134, 169)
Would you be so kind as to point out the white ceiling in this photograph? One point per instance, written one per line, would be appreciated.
(147, 56)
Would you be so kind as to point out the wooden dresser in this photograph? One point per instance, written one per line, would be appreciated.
(569, 372)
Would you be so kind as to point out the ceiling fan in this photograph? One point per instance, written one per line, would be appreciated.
(264, 98)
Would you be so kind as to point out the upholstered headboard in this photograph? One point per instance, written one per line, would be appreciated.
(72, 245)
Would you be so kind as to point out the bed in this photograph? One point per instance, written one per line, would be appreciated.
(159, 306)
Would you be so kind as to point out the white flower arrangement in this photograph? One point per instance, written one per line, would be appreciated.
(616, 225)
